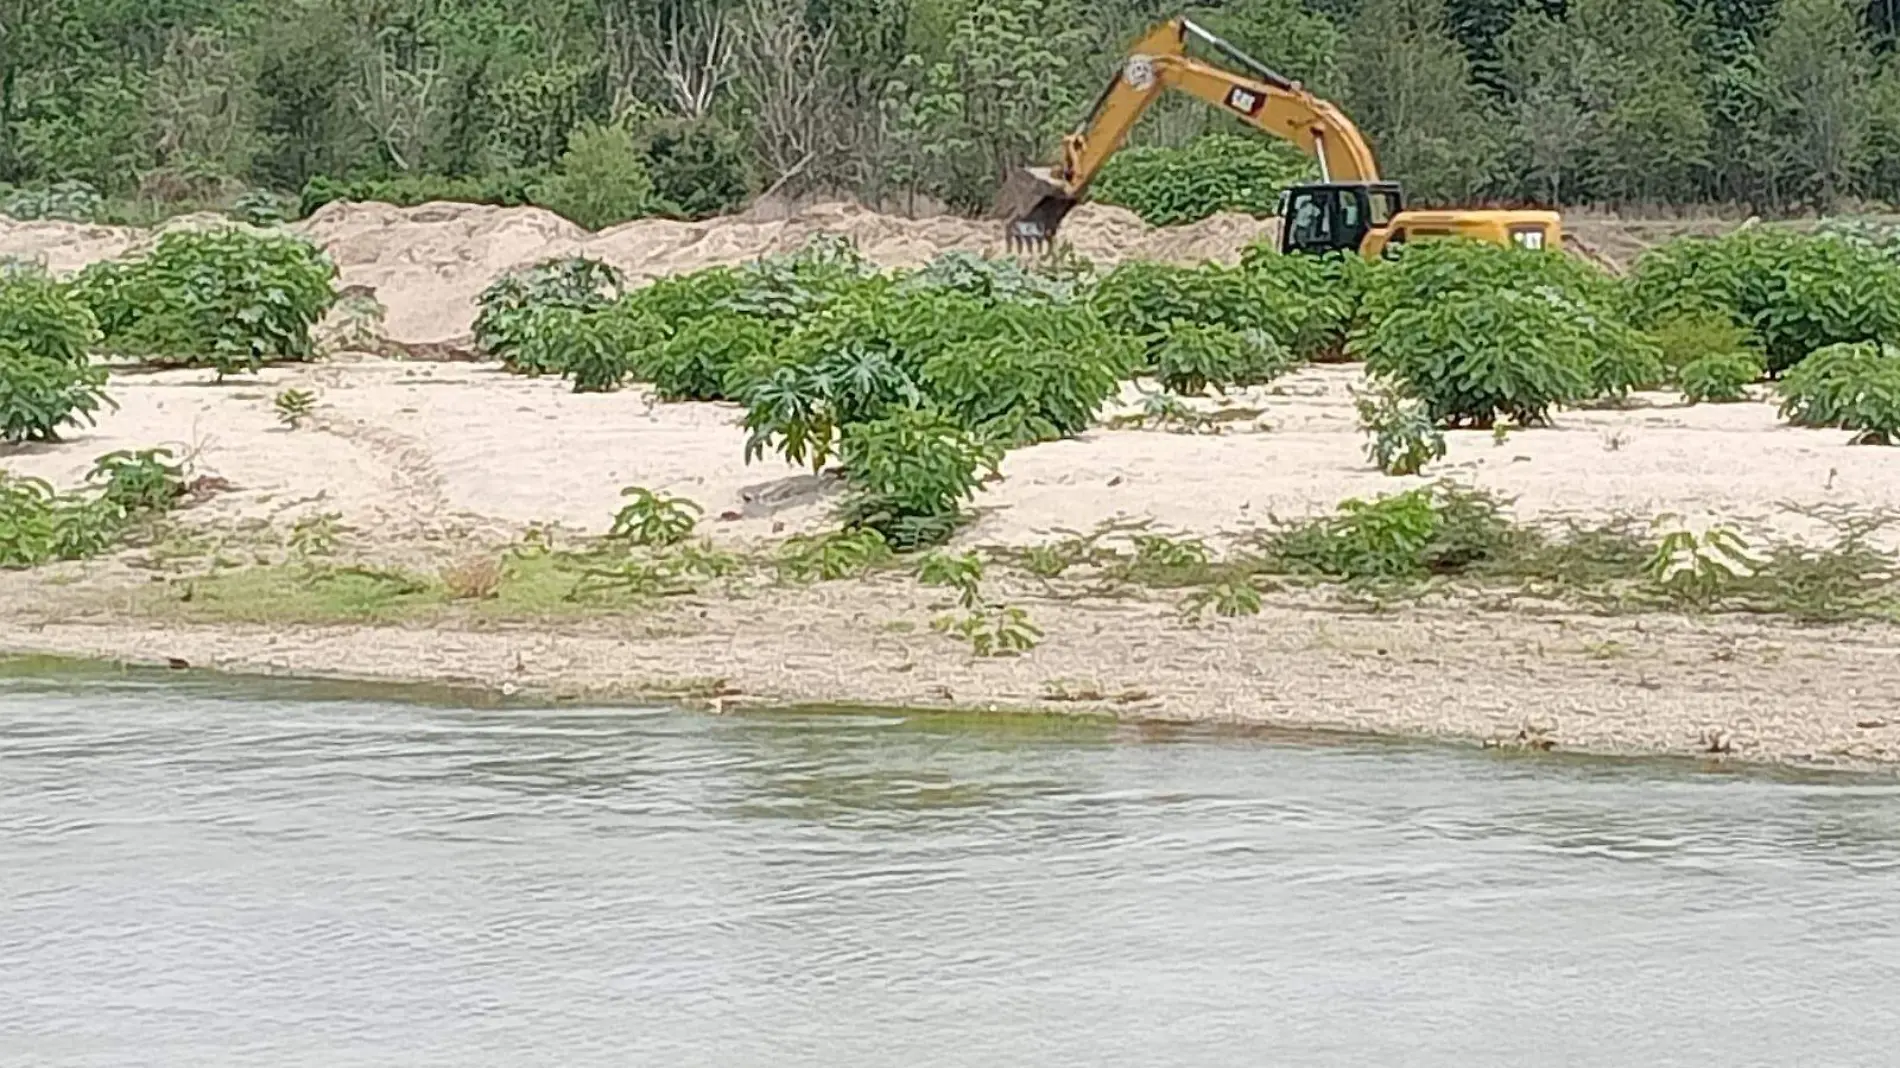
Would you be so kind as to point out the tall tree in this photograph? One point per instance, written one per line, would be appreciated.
(1818, 68)
(1409, 89)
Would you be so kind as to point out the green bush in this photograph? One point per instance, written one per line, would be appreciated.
(1215, 173)
(1147, 299)
(1404, 438)
(1021, 373)
(47, 379)
(1194, 357)
(786, 288)
(1471, 359)
(909, 475)
(521, 309)
(507, 189)
(1854, 387)
(1441, 529)
(1795, 292)
(38, 524)
(601, 181)
(229, 298)
(598, 351)
(698, 167)
(71, 201)
(703, 353)
(1477, 331)
(1319, 296)
(991, 280)
(1690, 337)
(1718, 377)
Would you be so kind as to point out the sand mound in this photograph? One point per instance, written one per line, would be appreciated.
(428, 264)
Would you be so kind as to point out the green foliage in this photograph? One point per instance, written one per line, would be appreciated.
(909, 475)
(1003, 631)
(991, 280)
(698, 168)
(1403, 436)
(39, 524)
(654, 519)
(46, 376)
(503, 189)
(1215, 173)
(1474, 359)
(1429, 530)
(70, 201)
(1684, 339)
(601, 181)
(521, 313)
(1718, 377)
(1318, 296)
(597, 351)
(1228, 600)
(696, 362)
(1795, 292)
(841, 554)
(960, 572)
(294, 406)
(1146, 300)
(1854, 387)
(228, 298)
(1021, 373)
(1696, 567)
(257, 207)
(1194, 357)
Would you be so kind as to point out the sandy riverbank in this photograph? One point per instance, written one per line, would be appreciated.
(422, 465)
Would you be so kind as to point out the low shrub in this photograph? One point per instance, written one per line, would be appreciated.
(601, 181)
(1319, 296)
(69, 201)
(1214, 173)
(597, 351)
(991, 280)
(1683, 340)
(1474, 358)
(1794, 292)
(521, 311)
(1429, 272)
(703, 354)
(1718, 377)
(39, 524)
(1853, 387)
(1147, 299)
(228, 298)
(1194, 357)
(1021, 373)
(47, 379)
(697, 168)
(1440, 529)
(1403, 437)
(909, 475)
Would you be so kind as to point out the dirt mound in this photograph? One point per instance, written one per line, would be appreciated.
(62, 247)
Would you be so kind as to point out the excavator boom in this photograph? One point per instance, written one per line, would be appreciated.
(1036, 199)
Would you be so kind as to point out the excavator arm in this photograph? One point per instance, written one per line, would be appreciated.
(1036, 200)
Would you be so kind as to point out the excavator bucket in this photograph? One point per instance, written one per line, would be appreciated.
(1034, 204)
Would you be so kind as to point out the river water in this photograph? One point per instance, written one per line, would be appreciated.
(197, 874)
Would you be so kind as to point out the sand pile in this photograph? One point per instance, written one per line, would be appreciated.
(428, 264)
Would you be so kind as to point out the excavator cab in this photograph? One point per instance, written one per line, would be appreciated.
(1327, 217)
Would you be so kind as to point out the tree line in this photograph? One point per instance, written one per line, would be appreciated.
(692, 106)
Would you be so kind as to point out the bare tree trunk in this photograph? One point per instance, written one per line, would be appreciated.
(782, 76)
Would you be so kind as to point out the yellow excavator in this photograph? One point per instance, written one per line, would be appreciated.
(1350, 207)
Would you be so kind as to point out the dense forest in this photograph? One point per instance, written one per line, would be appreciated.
(613, 108)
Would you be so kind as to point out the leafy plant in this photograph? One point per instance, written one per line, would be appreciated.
(39, 524)
(840, 554)
(654, 519)
(226, 297)
(521, 310)
(1854, 387)
(695, 363)
(1687, 338)
(1214, 173)
(1720, 377)
(1192, 358)
(47, 380)
(1795, 292)
(294, 406)
(70, 200)
(1432, 529)
(602, 180)
(909, 476)
(991, 280)
(1003, 631)
(1698, 566)
(1403, 436)
(962, 572)
(1226, 599)
(1022, 373)
(1146, 300)
(258, 207)
(1318, 297)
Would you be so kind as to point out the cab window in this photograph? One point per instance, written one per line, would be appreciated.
(1310, 221)
(1528, 236)
(1382, 209)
